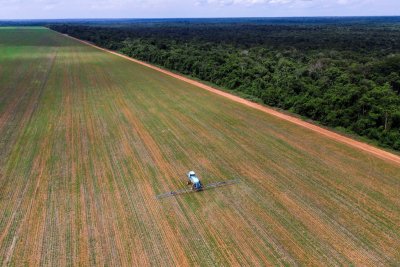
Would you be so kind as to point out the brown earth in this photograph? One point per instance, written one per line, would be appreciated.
(88, 139)
(335, 136)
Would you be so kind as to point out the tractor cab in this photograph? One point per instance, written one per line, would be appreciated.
(194, 181)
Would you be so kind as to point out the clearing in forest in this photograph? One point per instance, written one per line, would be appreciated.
(87, 139)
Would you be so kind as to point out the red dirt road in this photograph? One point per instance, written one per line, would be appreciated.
(332, 135)
(88, 139)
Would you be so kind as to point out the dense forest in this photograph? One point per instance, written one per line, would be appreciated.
(342, 74)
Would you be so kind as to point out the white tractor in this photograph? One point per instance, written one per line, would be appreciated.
(194, 181)
(196, 186)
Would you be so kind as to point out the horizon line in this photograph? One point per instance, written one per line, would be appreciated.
(233, 17)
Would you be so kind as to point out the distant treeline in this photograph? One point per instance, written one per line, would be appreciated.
(343, 75)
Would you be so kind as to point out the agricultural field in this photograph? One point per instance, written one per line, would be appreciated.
(88, 139)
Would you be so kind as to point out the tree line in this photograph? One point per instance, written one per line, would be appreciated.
(342, 75)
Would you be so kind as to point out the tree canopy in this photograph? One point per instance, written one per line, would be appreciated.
(344, 75)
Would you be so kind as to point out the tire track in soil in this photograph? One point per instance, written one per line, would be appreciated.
(77, 154)
(327, 228)
(323, 178)
(171, 115)
(100, 83)
(152, 147)
(240, 240)
(332, 135)
(144, 137)
(344, 198)
(158, 158)
(30, 112)
(280, 213)
(215, 234)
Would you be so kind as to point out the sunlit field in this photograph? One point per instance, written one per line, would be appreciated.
(88, 139)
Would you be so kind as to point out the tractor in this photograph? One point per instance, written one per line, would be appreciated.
(194, 181)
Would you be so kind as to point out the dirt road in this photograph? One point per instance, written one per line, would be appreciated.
(343, 139)
(89, 139)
